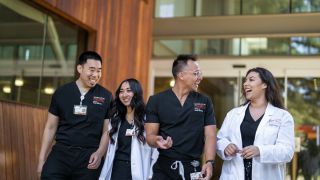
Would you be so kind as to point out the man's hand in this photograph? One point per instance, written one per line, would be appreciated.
(95, 160)
(207, 171)
(250, 152)
(231, 150)
(164, 143)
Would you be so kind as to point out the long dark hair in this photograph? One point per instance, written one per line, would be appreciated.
(272, 92)
(119, 111)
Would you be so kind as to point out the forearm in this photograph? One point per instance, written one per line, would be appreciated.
(210, 143)
(103, 146)
(47, 139)
(210, 148)
(152, 130)
(151, 140)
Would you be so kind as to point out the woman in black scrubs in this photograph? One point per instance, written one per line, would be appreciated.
(128, 156)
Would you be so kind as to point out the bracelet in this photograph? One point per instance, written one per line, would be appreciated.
(210, 161)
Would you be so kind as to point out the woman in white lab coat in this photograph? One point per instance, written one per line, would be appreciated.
(256, 140)
(128, 155)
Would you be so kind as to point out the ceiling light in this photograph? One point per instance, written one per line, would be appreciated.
(49, 90)
(18, 82)
(6, 89)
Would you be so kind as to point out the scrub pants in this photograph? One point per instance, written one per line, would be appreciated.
(121, 170)
(69, 163)
(162, 169)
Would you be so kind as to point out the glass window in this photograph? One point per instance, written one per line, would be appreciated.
(217, 7)
(305, 45)
(253, 46)
(305, 5)
(37, 52)
(265, 46)
(173, 8)
(183, 8)
(265, 6)
(6, 52)
(209, 47)
(172, 47)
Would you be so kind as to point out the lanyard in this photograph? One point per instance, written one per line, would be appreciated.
(82, 97)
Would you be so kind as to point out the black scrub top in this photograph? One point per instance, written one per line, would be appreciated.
(184, 124)
(124, 142)
(80, 130)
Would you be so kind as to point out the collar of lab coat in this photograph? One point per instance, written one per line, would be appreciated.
(266, 117)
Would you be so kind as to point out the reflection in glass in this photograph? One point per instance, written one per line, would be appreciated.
(217, 7)
(184, 8)
(253, 46)
(6, 52)
(173, 8)
(172, 47)
(210, 47)
(265, 6)
(305, 45)
(265, 46)
(24, 46)
(305, 5)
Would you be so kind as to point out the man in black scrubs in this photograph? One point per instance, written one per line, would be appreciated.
(181, 124)
(77, 118)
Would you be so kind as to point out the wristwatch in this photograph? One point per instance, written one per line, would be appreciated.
(210, 161)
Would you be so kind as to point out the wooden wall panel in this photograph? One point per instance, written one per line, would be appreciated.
(123, 31)
(7, 143)
(2, 146)
(21, 133)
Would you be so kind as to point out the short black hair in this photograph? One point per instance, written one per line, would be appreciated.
(88, 55)
(180, 62)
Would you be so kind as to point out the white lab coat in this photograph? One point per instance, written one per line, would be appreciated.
(274, 138)
(142, 159)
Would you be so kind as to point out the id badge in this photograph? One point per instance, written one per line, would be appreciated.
(130, 132)
(80, 110)
(196, 176)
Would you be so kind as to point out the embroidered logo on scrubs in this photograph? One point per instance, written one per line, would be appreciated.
(199, 107)
(98, 100)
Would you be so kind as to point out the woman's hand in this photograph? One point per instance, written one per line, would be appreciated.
(250, 152)
(231, 150)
